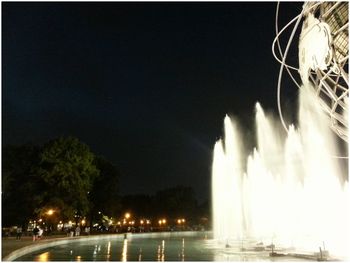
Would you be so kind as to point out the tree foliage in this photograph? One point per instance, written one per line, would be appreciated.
(178, 201)
(63, 175)
(67, 170)
(104, 195)
(66, 176)
(174, 202)
(20, 183)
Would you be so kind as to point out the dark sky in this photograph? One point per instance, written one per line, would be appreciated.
(146, 85)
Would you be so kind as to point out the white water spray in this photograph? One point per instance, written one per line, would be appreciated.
(292, 192)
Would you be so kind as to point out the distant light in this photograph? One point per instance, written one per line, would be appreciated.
(83, 222)
(160, 222)
(50, 212)
(179, 221)
(163, 221)
(127, 215)
(141, 222)
(183, 220)
(40, 220)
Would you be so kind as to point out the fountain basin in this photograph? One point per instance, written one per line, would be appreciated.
(165, 246)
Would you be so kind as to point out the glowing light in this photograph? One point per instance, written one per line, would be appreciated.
(141, 222)
(127, 215)
(125, 251)
(50, 212)
(180, 221)
(44, 257)
(109, 249)
(164, 221)
(83, 222)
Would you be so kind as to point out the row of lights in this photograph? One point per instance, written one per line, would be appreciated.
(60, 225)
(144, 221)
(161, 221)
(125, 221)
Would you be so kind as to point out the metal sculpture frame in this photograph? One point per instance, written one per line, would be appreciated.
(332, 84)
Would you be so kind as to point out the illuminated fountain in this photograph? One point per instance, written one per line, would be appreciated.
(292, 192)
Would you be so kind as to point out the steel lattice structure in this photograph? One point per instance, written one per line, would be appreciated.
(323, 58)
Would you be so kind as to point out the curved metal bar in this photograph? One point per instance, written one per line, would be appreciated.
(280, 49)
(299, 17)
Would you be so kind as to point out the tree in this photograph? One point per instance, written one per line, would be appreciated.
(20, 183)
(179, 201)
(104, 195)
(140, 205)
(68, 171)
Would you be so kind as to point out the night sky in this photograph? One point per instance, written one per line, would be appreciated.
(146, 85)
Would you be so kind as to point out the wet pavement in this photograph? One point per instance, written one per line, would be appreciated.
(10, 244)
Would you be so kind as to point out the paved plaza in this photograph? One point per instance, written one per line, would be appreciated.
(10, 244)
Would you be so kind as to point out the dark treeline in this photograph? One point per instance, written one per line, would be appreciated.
(173, 203)
(66, 176)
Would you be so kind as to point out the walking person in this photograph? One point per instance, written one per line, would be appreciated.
(77, 231)
(40, 233)
(35, 233)
(87, 230)
(19, 233)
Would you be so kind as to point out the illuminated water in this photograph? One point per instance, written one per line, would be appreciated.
(175, 246)
(289, 191)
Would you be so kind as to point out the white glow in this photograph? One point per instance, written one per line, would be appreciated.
(314, 46)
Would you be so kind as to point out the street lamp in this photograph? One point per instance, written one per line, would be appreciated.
(50, 219)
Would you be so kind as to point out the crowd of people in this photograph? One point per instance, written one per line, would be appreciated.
(76, 231)
(37, 232)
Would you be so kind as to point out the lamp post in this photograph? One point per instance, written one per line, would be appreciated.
(181, 223)
(48, 214)
(127, 215)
